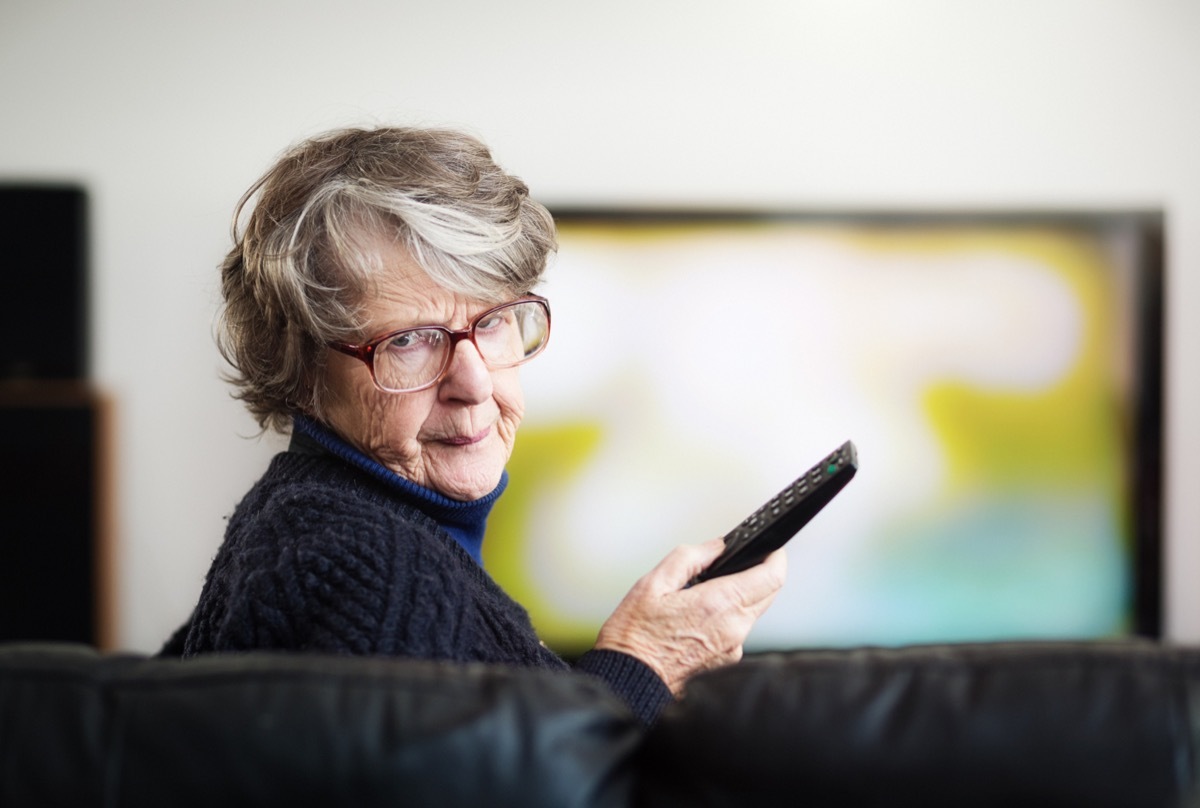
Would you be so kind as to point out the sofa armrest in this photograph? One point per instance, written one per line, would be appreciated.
(81, 728)
(1037, 724)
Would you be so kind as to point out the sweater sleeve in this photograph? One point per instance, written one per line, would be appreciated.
(631, 679)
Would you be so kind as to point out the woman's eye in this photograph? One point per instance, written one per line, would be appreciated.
(493, 321)
(413, 340)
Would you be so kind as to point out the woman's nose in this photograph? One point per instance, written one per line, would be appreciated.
(468, 377)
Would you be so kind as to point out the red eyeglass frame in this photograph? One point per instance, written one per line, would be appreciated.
(365, 352)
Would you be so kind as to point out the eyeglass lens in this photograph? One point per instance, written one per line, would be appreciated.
(505, 336)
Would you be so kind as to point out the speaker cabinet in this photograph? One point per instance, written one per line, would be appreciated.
(54, 513)
(43, 282)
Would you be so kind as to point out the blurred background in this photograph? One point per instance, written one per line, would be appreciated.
(165, 113)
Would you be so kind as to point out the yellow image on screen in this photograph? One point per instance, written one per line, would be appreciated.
(695, 368)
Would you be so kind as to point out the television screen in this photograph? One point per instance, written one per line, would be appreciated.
(998, 374)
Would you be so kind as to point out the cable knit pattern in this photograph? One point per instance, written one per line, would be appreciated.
(322, 557)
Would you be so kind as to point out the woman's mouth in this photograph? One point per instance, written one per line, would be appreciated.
(467, 440)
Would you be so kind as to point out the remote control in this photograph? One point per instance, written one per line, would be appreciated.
(770, 527)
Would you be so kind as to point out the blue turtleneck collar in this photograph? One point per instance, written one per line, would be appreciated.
(464, 521)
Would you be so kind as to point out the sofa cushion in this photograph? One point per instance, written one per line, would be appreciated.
(82, 728)
(1037, 724)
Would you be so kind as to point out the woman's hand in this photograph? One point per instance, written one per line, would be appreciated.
(679, 632)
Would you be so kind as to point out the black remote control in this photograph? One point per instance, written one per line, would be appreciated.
(769, 528)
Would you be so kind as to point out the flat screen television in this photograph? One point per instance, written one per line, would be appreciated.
(999, 373)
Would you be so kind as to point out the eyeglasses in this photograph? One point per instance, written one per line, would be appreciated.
(413, 359)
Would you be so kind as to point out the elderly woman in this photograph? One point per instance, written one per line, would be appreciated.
(378, 300)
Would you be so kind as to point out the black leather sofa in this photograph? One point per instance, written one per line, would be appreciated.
(1036, 724)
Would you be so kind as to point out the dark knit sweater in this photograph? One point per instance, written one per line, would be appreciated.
(322, 556)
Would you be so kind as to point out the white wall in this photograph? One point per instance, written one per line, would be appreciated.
(168, 111)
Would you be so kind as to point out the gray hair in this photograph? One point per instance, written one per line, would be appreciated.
(307, 254)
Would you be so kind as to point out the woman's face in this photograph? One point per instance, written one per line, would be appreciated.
(454, 437)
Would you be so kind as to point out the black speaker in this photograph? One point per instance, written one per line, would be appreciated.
(51, 512)
(43, 282)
